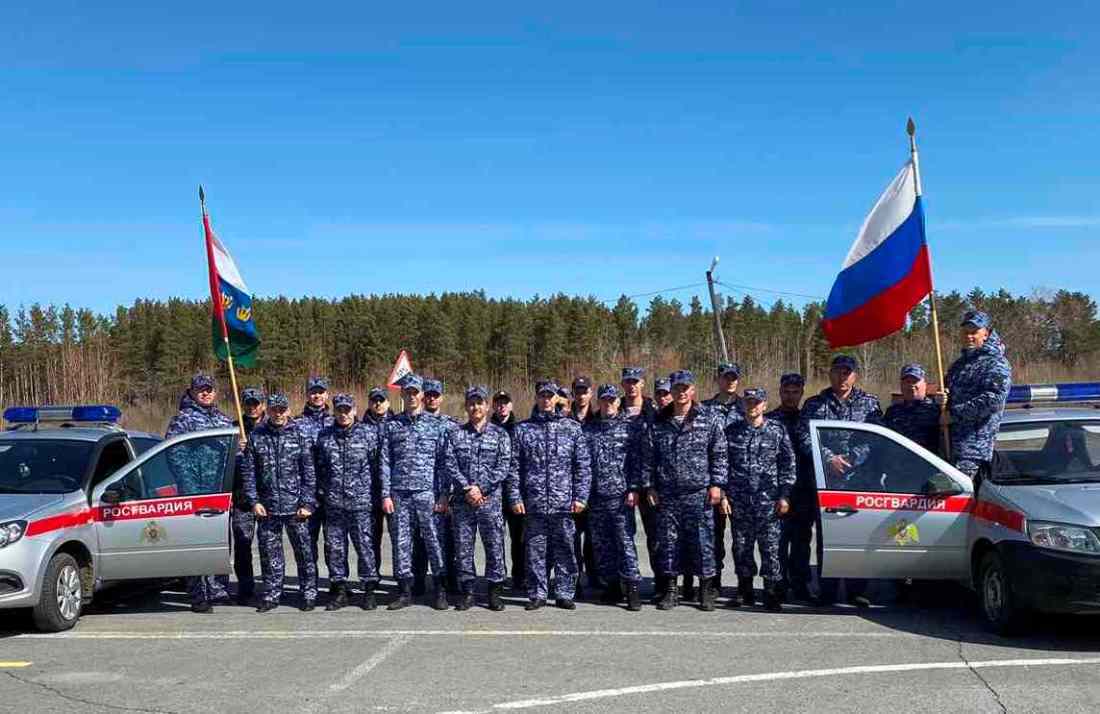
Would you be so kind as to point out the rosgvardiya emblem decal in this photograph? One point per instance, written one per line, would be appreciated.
(904, 533)
(153, 533)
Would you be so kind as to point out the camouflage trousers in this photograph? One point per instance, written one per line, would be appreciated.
(414, 510)
(466, 522)
(756, 525)
(549, 541)
(243, 527)
(970, 467)
(269, 533)
(613, 527)
(208, 588)
(685, 528)
(340, 526)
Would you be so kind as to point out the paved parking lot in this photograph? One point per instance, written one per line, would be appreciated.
(142, 650)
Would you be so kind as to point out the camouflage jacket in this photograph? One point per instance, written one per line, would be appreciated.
(762, 463)
(681, 458)
(805, 486)
(278, 469)
(551, 466)
(199, 469)
(918, 420)
(347, 466)
(615, 446)
(858, 407)
(313, 420)
(477, 458)
(413, 454)
(732, 412)
(978, 381)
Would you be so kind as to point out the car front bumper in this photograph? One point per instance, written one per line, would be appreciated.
(20, 565)
(1053, 581)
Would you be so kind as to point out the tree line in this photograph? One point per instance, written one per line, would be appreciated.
(144, 352)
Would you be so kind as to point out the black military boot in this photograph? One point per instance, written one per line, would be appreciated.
(439, 601)
(419, 587)
(687, 594)
(368, 602)
(536, 604)
(267, 606)
(734, 599)
(706, 594)
(202, 607)
(338, 597)
(633, 597)
(772, 601)
(660, 585)
(308, 606)
(495, 603)
(745, 590)
(671, 598)
(613, 593)
(405, 598)
(565, 603)
(466, 598)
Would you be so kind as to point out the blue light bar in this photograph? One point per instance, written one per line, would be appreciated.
(84, 413)
(1068, 392)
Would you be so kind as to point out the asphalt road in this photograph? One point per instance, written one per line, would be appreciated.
(142, 650)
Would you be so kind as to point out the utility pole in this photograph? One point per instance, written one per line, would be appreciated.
(723, 353)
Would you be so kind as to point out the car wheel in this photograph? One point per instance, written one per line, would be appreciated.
(62, 595)
(998, 603)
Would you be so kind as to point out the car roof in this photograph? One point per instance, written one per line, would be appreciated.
(73, 433)
(1024, 416)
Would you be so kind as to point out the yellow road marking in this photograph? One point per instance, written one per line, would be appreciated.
(14, 665)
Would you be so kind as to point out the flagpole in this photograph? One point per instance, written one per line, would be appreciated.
(220, 309)
(911, 129)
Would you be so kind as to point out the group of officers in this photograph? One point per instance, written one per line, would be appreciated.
(568, 480)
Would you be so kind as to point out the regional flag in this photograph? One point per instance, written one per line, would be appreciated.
(233, 326)
(887, 271)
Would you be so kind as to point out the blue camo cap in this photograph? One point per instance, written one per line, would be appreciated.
(729, 369)
(433, 386)
(977, 318)
(252, 394)
(792, 379)
(756, 394)
(378, 393)
(635, 373)
(278, 401)
(681, 376)
(343, 400)
(547, 385)
(662, 384)
(913, 370)
(477, 391)
(202, 381)
(412, 381)
(846, 362)
(316, 383)
(608, 391)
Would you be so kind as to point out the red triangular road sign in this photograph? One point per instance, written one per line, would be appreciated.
(401, 367)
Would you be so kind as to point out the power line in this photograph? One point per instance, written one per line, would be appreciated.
(744, 288)
(654, 292)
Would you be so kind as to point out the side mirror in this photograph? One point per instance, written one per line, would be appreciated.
(111, 496)
(942, 486)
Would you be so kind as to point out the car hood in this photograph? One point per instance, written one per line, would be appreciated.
(21, 506)
(1075, 503)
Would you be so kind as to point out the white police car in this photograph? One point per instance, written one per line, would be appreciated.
(1026, 537)
(84, 502)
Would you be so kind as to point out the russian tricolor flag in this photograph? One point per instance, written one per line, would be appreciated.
(888, 269)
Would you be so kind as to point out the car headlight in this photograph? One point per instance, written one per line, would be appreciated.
(11, 532)
(1060, 536)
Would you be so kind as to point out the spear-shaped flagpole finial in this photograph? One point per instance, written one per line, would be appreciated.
(202, 194)
(910, 127)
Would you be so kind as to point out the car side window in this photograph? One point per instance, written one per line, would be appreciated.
(189, 468)
(879, 464)
(113, 457)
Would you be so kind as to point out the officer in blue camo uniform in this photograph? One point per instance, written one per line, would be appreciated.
(506, 419)
(347, 469)
(796, 528)
(762, 474)
(378, 413)
(685, 473)
(315, 417)
(842, 400)
(732, 408)
(433, 405)
(242, 521)
(479, 460)
(550, 480)
(198, 411)
(280, 484)
(916, 416)
(413, 450)
(978, 384)
(615, 444)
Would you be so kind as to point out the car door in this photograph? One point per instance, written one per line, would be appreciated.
(896, 511)
(166, 514)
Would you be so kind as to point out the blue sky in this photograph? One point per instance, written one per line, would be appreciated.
(587, 148)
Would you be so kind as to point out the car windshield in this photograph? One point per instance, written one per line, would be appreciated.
(43, 465)
(1048, 452)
